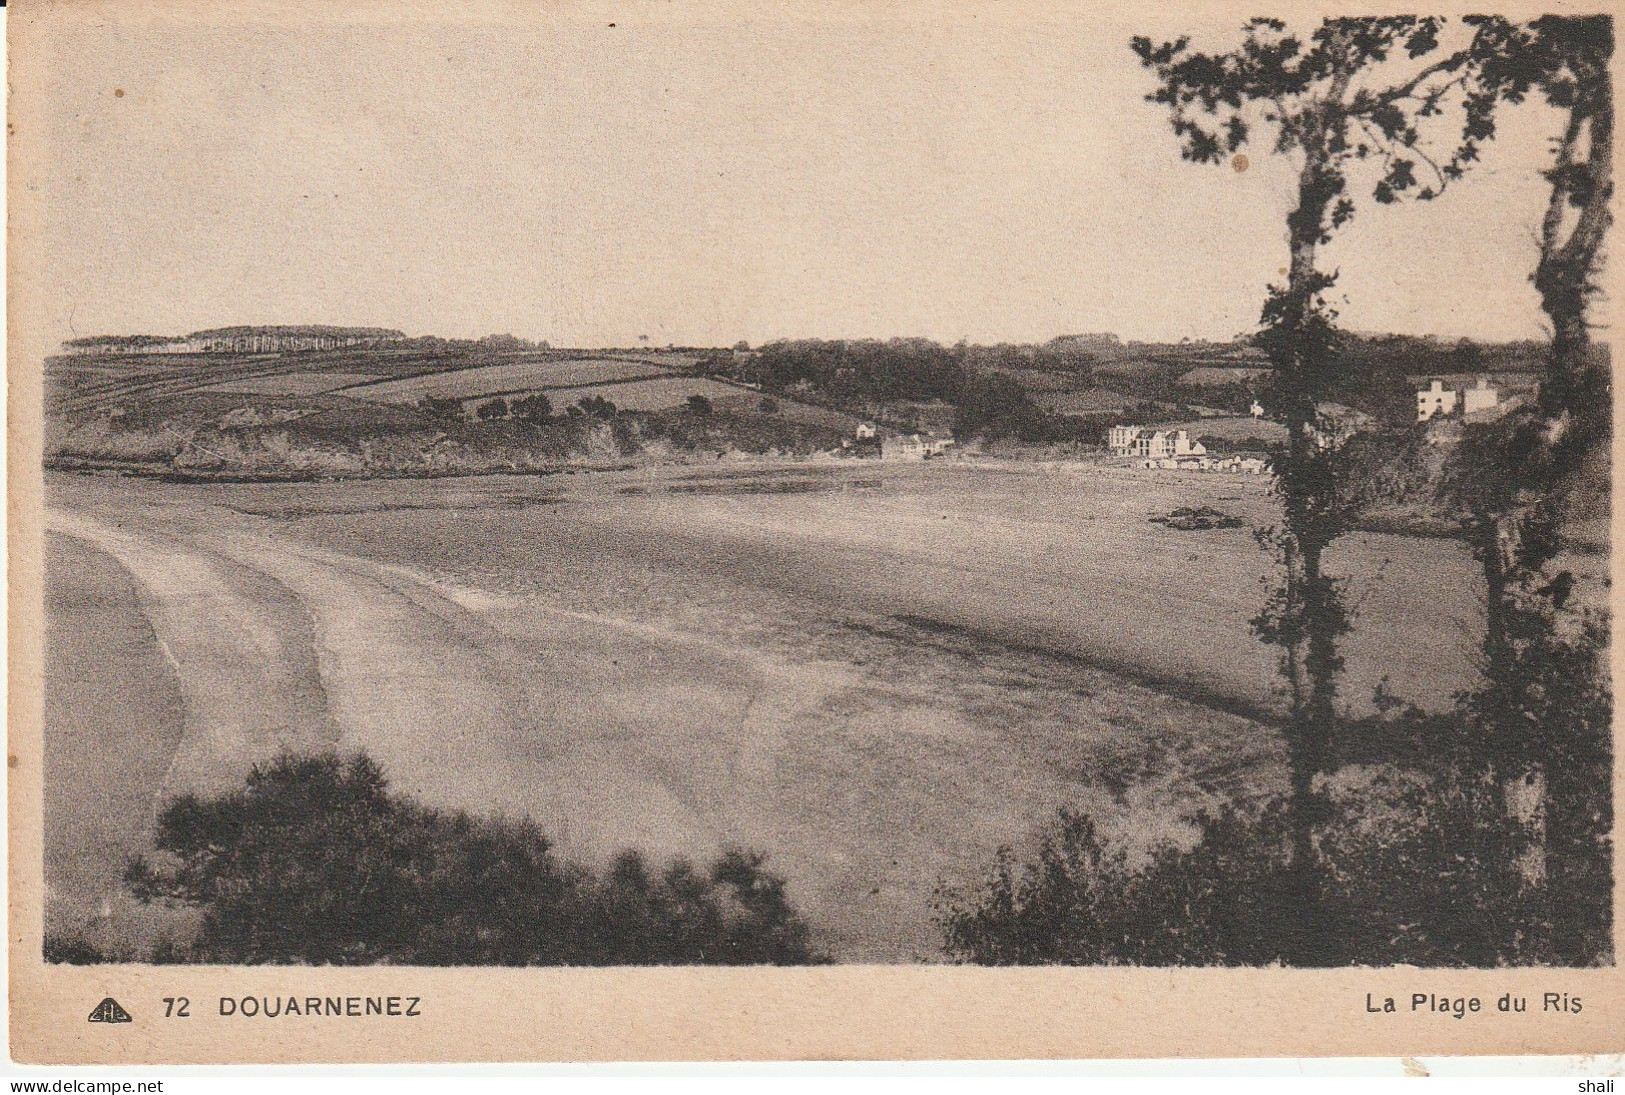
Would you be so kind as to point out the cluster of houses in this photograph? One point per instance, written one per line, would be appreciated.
(1153, 447)
(901, 445)
(1177, 450)
(913, 446)
(1152, 444)
(1436, 400)
(1243, 463)
(908, 430)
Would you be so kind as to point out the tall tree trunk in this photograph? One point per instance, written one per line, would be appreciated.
(1574, 382)
(1572, 418)
(1577, 411)
(1310, 660)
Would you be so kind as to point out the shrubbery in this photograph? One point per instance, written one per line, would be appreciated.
(1422, 871)
(316, 861)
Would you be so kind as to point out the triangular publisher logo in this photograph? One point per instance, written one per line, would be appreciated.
(108, 1011)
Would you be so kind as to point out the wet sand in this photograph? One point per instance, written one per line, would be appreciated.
(875, 678)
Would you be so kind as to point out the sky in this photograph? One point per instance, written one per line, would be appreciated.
(594, 174)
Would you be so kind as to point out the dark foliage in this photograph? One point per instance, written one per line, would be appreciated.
(316, 861)
(1198, 519)
(996, 406)
(594, 406)
(867, 373)
(1379, 467)
(531, 408)
(1425, 874)
(442, 408)
(71, 950)
(862, 370)
(1081, 902)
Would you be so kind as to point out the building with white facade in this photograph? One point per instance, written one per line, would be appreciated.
(1434, 399)
(1480, 397)
(1152, 444)
(913, 446)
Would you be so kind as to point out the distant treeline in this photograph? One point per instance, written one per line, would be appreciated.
(297, 330)
(856, 374)
(985, 385)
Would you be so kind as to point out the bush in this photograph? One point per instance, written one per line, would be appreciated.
(532, 408)
(996, 406)
(441, 407)
(316, 861)
(1425, 874)
(1081, 902)
(71, 950)
(595, 406)
(698, 405)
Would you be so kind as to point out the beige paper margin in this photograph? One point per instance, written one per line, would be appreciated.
(542, 1015)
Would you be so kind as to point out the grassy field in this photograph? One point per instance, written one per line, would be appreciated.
(363, 413)
(313, 383)
(507, 377)
(77, 383)
(660, 395)
(1232, 428)
(1084, 402)
(876, 674)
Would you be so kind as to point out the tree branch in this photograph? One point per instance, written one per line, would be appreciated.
(1367, 101)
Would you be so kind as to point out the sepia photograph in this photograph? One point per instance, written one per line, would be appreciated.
(906, 485)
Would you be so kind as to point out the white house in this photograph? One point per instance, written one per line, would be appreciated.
(913, 446)
(1148, 444)
(1242, 463)
(1480, 397)
(1120, 439)
(866, 431)
(1434, 399)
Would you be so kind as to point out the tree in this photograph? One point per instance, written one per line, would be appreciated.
(1354, 92)
(491, 410)
(532, 408)
(314, 860)
(1565, 59)
(698, 405)
(996, 405)
(1421, 873)
(442, 407)
(596, 406)
(1546, 706)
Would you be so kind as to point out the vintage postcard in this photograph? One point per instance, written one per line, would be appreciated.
(564, 531)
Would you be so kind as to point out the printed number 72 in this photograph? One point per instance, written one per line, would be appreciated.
(175, 1007)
